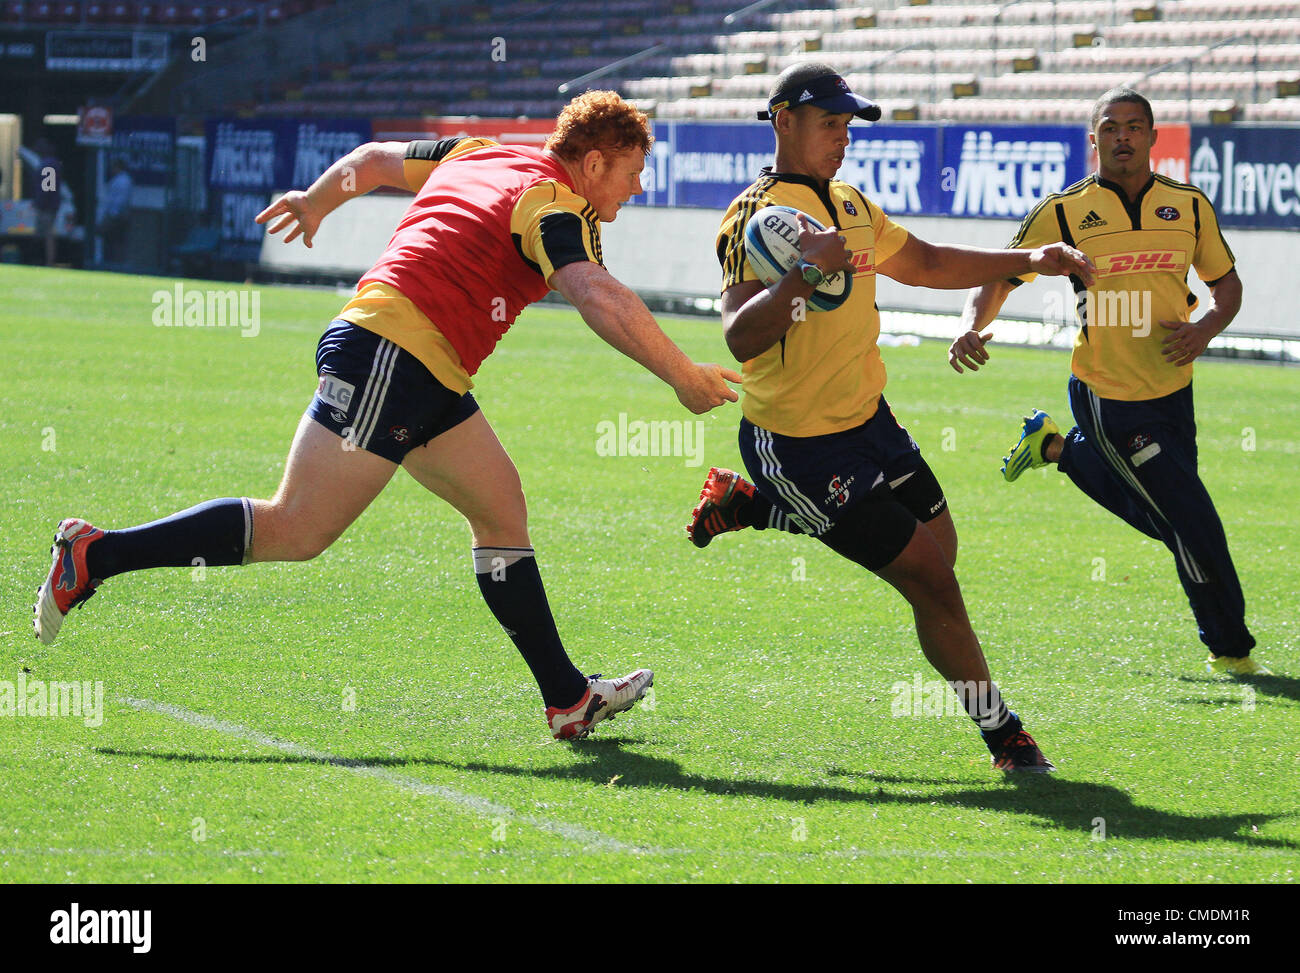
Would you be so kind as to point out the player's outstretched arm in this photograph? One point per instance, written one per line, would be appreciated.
(365, 168)
(951, 267)
(982, 306)
(618, 315)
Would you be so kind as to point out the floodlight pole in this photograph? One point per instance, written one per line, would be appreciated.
(1191, 59)
(753, 8)
(610, 68)
(917, 45)
(997, 21)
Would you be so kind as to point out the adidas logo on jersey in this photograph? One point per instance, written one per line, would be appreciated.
(1091, 221)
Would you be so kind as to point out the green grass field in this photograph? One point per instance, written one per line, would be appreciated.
(362, 718)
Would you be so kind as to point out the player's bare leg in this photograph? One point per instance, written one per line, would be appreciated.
(944, 531)
(468, 467)
(327, 484)
(923, 575)
(325, 487)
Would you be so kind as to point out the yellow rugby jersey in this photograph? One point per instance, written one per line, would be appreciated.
(390, 314)
(826, 374)
(1143, 250)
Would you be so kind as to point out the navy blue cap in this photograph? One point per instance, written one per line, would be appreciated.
(817, 84)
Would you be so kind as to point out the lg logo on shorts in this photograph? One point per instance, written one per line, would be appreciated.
(336, 392)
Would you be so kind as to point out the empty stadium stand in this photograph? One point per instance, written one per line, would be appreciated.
(179, 16)
(949, 60)
(945, 60)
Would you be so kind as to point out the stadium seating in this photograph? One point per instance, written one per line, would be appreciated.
(1028, 61)
(171, 16)
(1040, 60)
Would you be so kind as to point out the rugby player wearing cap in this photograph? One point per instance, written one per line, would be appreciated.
(491, 229)
(826, 454)
(1133, 448)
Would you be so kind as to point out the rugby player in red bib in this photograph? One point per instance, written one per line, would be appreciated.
(491, 230)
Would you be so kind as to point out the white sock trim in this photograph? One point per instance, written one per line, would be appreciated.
(248, 529)
(489, 559)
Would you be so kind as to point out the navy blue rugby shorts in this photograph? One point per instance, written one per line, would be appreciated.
(380, 397)
(818, 480)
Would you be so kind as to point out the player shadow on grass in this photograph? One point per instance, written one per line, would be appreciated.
(1282, 687)
(1073, 805)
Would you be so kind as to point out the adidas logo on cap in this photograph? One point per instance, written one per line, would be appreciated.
(1091, 221)
(805, 96)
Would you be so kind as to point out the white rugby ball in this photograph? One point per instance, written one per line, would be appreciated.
(772, 246)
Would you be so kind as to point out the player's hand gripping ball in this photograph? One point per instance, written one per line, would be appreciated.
(772, 246)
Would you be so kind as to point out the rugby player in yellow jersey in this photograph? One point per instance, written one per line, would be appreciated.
(1133, 448)
(824, 451)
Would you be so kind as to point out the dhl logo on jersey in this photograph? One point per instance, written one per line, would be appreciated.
(864, 262)
(1141, 262)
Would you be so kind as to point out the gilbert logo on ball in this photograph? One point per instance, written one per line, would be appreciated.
(772, 247)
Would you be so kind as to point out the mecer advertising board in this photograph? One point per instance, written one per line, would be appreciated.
(910, 170)
(249, 160)
(1003, 171)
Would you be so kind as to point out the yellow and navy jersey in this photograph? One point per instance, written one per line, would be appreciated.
(1143, 249)
(826, 374)
(488, 227)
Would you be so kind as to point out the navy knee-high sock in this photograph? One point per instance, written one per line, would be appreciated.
(761, 514)
(512, 588)
(217, 532)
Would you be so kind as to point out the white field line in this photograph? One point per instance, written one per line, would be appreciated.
(469, 802)
(1107, 850)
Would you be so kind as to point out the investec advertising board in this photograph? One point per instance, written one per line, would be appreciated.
(1251, 175)
(977, 171)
